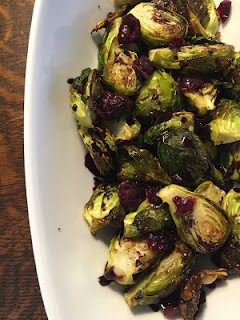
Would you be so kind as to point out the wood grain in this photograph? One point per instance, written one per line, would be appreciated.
(20, 297)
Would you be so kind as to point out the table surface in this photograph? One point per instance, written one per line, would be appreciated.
(20, 297)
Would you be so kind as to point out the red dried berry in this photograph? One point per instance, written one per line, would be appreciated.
(151, 193)
(223, 10)
(143, 66)
(129, 30)
(184, 205)
(162, 240)
(131, 193)
(191, 83)
(111, 105)
(176, 42)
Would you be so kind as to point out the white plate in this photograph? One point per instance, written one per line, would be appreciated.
(69, 261)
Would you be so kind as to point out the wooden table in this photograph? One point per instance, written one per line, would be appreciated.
(20, 297)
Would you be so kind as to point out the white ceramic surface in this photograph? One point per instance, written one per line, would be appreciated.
(69, 261)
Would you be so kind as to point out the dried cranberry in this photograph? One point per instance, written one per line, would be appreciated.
(177, 179)
(151, 193)
(129, 30)
(162, 240)
(112, 104)
(223, 10)
(184, 205)
(143, 66)
(161, 116)
(191, 83)
(202, 129)
(176, 42)
(131, 193)
(170, 305)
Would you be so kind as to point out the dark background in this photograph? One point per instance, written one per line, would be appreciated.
(20, 297)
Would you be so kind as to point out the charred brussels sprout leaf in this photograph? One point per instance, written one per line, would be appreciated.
(190, 295)
(99, 149)
(126, 258)
(144, 166)
(203, 59)
(211, 192)
(103, 208)
(182, 152)
(163, 278)
(158, 26)
(122, 131)
(179, 120)
(119, 74)
(84, 91)
(229, 155)
(200, 223)
(225, 126)
(158, 92)
(148, 217)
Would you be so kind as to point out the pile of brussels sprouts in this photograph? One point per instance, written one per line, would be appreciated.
(160, 118)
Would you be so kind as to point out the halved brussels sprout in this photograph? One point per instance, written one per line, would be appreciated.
(99, 148)
(109, 42)
(225, 126)
(231, 204)
(84, 91)
(201, 15)
(232, 76)
(202, 99)
(179, 120)
(103, 208)
(119, 74)
(158, 26)
(229, 158)
(126, 258)
(121, 130)
(144, 166)
(182, 152)
(211, 192)
(191, 293)
(148, 217)
(200, 223)
(158, 92)
(202, 59)
(166, 275)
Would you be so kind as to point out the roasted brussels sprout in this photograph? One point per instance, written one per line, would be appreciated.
(231, 204)
(232, 76)
(190, 295)
(201, 15)
(126, 258)
(203, 59)
(144, 166)
(202, 99)
(158, 26)
(109, 43)
(148, 217)
(182, 152)
(158, 92)
(229, 157)
(119, 73)
(121, 130)
(211, 192)
(166, 275)
(126, 2)
(99, 148)
(199, 222)
(103, 208)
(225, 126)
(178, 120)
(84, 91)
